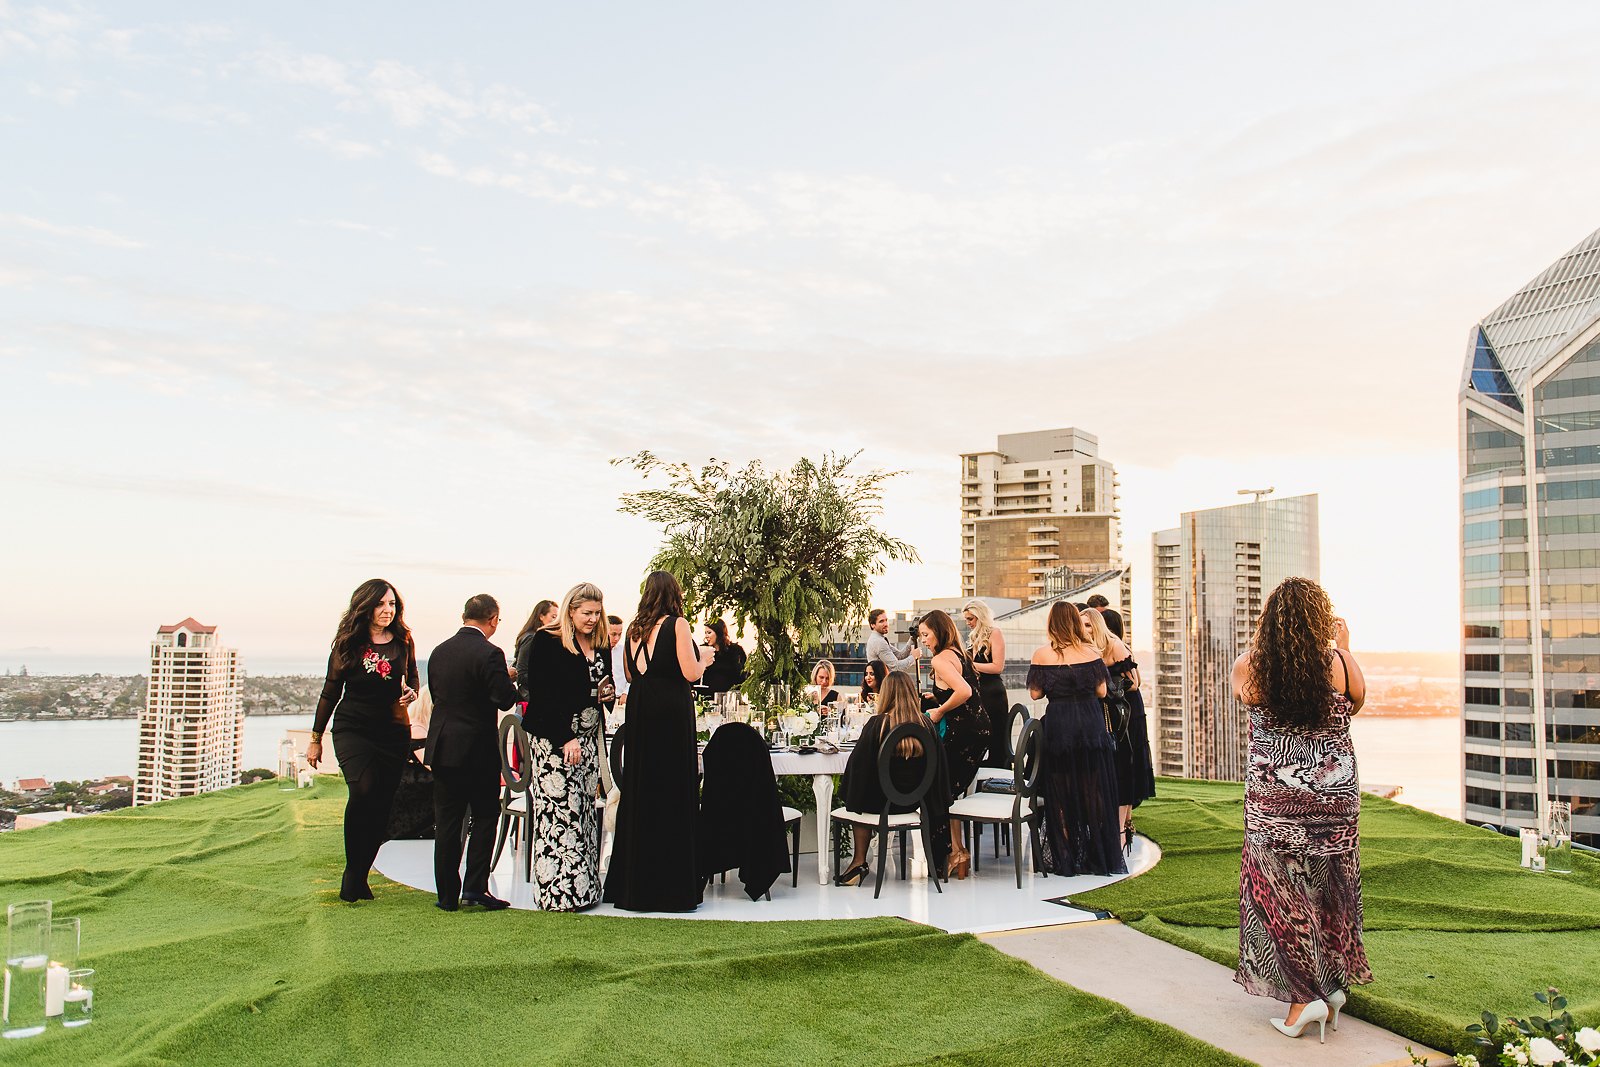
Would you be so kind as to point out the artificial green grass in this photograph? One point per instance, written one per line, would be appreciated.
(218, 937)
(1453, 925)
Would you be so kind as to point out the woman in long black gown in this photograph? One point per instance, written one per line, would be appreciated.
(653, 861)
(372, 678)
(1080, 778)
(988, 653)
(1136, 780)
(958, 715)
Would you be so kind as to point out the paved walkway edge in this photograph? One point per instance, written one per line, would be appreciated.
(1190, 993)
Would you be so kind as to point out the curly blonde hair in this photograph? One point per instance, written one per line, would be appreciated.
(1289, 655)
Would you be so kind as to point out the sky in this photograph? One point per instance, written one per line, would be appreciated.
(297, 296)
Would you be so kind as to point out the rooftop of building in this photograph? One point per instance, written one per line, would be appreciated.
(189, 625)
(1517, 338)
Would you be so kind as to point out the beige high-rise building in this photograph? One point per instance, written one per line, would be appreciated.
(191, 733)
(1038, 514)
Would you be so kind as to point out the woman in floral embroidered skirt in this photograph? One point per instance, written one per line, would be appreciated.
(1300, 882)
(565, 675)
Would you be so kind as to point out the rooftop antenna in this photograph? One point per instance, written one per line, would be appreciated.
(1258, 493)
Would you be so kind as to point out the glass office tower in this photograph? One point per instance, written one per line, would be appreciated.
(1530, 551)
(1212, 577)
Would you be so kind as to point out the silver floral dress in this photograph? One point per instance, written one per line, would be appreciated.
(564, 823)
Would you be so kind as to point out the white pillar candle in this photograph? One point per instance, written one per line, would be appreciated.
(55, 990)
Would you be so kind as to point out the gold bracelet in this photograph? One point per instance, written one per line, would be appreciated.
(316, 738)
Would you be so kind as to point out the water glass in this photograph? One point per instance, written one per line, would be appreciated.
(64, 950)
(288, 766)
(26, 961)
(1557, 842)
(79, 997)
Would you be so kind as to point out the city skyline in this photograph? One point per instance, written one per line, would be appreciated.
(294, 299)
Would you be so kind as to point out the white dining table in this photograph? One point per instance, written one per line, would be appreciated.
(822, 767)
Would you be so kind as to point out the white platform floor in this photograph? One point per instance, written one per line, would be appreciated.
(987, 902)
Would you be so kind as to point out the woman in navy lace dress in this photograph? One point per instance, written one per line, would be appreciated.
(1082, 833)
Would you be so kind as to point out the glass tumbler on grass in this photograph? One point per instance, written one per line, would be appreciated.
(79, 998)
(65, 944)
(27, 958)
(1557, 843)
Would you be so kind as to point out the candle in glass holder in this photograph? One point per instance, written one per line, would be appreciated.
(78, 1000)
(55, 990)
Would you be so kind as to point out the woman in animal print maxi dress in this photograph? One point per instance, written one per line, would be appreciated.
(1300, 918)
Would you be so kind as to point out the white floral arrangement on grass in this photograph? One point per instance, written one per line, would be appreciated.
(1535, 1041)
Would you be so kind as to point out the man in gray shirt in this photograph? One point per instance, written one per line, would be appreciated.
(879, 648)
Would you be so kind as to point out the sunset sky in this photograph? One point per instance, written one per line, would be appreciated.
(297, 296)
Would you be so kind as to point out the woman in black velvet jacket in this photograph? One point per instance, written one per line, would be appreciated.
(564, 672)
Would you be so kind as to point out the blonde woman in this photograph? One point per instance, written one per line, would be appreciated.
(1080, 779)
(1136, 779)
(565, 672)
(860, 788)
(987, 649)
(822, 676)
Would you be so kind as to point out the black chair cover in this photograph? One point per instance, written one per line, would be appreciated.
(741, 821)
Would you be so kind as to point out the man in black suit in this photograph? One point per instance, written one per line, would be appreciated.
(470, 686)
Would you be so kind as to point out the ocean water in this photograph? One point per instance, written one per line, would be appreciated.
(1422, 755)
(97, 748)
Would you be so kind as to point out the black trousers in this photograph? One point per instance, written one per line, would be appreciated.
(456, 790)
(371, 755)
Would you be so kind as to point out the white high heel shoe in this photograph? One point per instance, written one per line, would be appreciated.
(1335, 1001)
(1315, 1012)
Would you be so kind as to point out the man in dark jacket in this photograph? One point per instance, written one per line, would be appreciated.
(470, 686)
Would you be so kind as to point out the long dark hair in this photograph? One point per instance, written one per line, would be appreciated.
(354, 631)
(1289, 654)
(944, 631)
(533, 622)
(719, 630)
(660, 597)
(875, 673)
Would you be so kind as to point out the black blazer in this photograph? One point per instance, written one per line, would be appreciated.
(556, 684)
(470, 687)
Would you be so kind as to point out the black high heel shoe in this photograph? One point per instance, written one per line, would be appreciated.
(1127, 838)
(854, 876)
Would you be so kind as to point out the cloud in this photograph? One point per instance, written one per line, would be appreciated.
(196, 489)
(94, 235)
(343, 147)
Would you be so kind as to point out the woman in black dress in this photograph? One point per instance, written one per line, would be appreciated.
(372, 678)
(988, 652)
(653, 862)
(1136, 780)
(958, 716)
(1080, 778)
(860, 789)
(822, 676)
(726, 669)
(564, 673)
(872, 680)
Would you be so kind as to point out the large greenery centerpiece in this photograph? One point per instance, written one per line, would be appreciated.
(790, 554)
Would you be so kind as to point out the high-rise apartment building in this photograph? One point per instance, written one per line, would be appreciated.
(1038, 503)
(1530, 550)
(191, 733)
(1211, 577)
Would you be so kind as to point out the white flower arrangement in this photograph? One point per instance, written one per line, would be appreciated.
(1538, 1041)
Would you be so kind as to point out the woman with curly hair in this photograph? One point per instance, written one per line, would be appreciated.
(372, 679)
(1300, 882)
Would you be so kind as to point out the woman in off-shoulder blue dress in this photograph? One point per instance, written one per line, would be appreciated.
(1082, 834)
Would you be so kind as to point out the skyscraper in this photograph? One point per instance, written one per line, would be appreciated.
(1530, 550)
(191, 733)
(1212, 574)
(1040, 511)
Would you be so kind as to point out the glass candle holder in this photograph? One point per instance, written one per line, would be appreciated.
(64, 948)
(79, 998)
(26, 960)
(288, 766)
(1557, 842)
